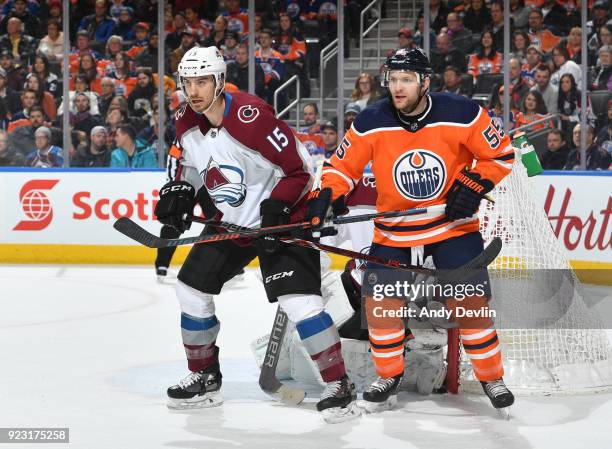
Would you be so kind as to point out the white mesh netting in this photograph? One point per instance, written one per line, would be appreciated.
(572, 356)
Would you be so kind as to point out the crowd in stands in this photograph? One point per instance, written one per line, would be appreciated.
(113, 66)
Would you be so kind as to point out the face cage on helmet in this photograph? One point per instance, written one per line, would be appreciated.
(384, 82)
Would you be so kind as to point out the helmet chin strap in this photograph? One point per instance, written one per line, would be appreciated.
(219, 91)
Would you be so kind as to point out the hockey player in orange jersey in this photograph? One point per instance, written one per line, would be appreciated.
(426, 149)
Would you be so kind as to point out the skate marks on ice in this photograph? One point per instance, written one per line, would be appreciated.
(248, 418)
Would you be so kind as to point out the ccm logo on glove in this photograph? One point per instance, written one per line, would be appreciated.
(176, 188)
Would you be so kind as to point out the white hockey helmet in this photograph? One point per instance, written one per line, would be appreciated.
(203, 61)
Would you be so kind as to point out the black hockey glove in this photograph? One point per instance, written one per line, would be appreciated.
(273, 213)
(176, 199)
(465, 195)
(320, 208)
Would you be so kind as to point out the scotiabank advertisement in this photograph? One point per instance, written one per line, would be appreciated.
(80, 207)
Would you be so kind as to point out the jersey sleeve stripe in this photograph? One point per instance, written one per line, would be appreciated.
(349, 181)
(505, 157)
(412, 228)
(503, 164)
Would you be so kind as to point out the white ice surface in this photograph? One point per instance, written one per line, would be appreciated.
(94, 348)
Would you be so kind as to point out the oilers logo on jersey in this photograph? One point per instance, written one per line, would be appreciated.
(225, 183)
(419, 175)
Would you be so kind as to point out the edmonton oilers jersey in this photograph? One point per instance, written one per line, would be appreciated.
(416, 161)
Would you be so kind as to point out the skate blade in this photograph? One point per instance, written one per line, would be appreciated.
(208, 400)
(377, 407)
(337, 415)
(504, 413)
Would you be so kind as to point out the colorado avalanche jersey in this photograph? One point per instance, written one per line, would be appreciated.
(415, 163)
(251, 156)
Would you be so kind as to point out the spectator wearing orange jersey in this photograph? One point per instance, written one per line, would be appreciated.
(121, 71)
(141, 39)
(532, 110)
(487, 60)
(89, 68)
(237, 17)
(539, 36)
(82, 47)
(201, 27)
(310, 118)
(292, 46)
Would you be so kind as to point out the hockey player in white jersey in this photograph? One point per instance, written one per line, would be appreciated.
(241, 163)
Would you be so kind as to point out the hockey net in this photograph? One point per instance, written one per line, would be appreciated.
(572, 356)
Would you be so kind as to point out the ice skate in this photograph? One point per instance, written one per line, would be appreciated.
(161, 273)
(501, 398)
(200, 389)
(381, 395)
(338, 401)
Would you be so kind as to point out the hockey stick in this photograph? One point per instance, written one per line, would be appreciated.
(137, 233)
(267, 376)
(131, 229)
(482, 260)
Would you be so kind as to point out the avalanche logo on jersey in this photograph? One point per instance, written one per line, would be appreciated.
(225, 183)
(419, 175)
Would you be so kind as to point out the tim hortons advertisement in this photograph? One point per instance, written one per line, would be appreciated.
(579, 209)
(80, 208)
